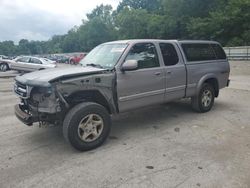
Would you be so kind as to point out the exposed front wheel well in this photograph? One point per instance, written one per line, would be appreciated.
(88, 96)
(214, 82)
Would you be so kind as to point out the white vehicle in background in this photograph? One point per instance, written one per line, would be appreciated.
(30, 64)
(3, 57)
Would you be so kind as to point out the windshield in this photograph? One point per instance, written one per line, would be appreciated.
(104, 56)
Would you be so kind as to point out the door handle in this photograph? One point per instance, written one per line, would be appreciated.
(169, 72)
(158, 73)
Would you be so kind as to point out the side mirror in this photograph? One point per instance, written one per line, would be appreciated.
(129, 65)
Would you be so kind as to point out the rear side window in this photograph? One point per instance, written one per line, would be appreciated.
(198, 52)
(145, 54)
(169, 54)
(220, 54)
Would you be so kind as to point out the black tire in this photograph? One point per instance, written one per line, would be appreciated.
(4, 67)
(73, 119)
(197, 103)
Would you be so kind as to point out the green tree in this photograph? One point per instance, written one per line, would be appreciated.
(229, 25)
(99, 28)
(179, 12)
(104, 13)
(7, 48)
(95, 32)
(224, 20)
(149, 5)
(70, 42)
(23, 47)
(132, 23)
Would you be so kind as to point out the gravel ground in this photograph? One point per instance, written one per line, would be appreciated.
(161, 146)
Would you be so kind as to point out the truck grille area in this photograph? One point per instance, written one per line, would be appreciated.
(21, 90)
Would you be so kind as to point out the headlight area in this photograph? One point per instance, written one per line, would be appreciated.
(42, 106)
(44, 100)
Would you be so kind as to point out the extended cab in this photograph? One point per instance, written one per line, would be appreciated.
(120, 76)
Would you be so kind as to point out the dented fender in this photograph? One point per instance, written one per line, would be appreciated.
(78, 88)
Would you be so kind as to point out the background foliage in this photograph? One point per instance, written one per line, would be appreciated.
(227, 21)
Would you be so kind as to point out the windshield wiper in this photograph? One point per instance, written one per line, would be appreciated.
(95, 65)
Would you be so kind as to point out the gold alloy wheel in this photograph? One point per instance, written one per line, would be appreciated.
(206, 98)
(90, 128)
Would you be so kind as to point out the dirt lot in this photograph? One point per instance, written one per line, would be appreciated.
(161, 146)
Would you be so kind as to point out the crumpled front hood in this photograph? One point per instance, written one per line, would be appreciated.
(44, 77)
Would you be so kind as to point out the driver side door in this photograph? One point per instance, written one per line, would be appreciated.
(145, 85)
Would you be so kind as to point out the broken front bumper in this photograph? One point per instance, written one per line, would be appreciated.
(23, 116)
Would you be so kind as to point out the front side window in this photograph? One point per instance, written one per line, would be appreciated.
(198, 52)
(169, 54)
(145, 54)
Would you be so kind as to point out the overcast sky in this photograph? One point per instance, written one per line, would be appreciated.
(41, 19)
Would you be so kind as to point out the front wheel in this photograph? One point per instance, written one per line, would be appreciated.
(205, 100)
(86, 126)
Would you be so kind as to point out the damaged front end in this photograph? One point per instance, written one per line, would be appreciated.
(48, 102)
(38, 104)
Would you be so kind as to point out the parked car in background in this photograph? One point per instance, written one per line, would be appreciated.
(51, 57)
(76, 58)
(48, 60)
(29, 64)
(63, 59)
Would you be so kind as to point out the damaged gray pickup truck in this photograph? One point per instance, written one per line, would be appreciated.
(120, 76)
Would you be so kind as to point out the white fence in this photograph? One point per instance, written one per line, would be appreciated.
(238, 53)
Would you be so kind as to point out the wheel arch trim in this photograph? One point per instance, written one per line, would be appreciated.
(97, 96)
(203, 80)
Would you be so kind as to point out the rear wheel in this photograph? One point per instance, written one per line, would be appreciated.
(4, 67)
(72, 62)
(205, 100)
(86, 126)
